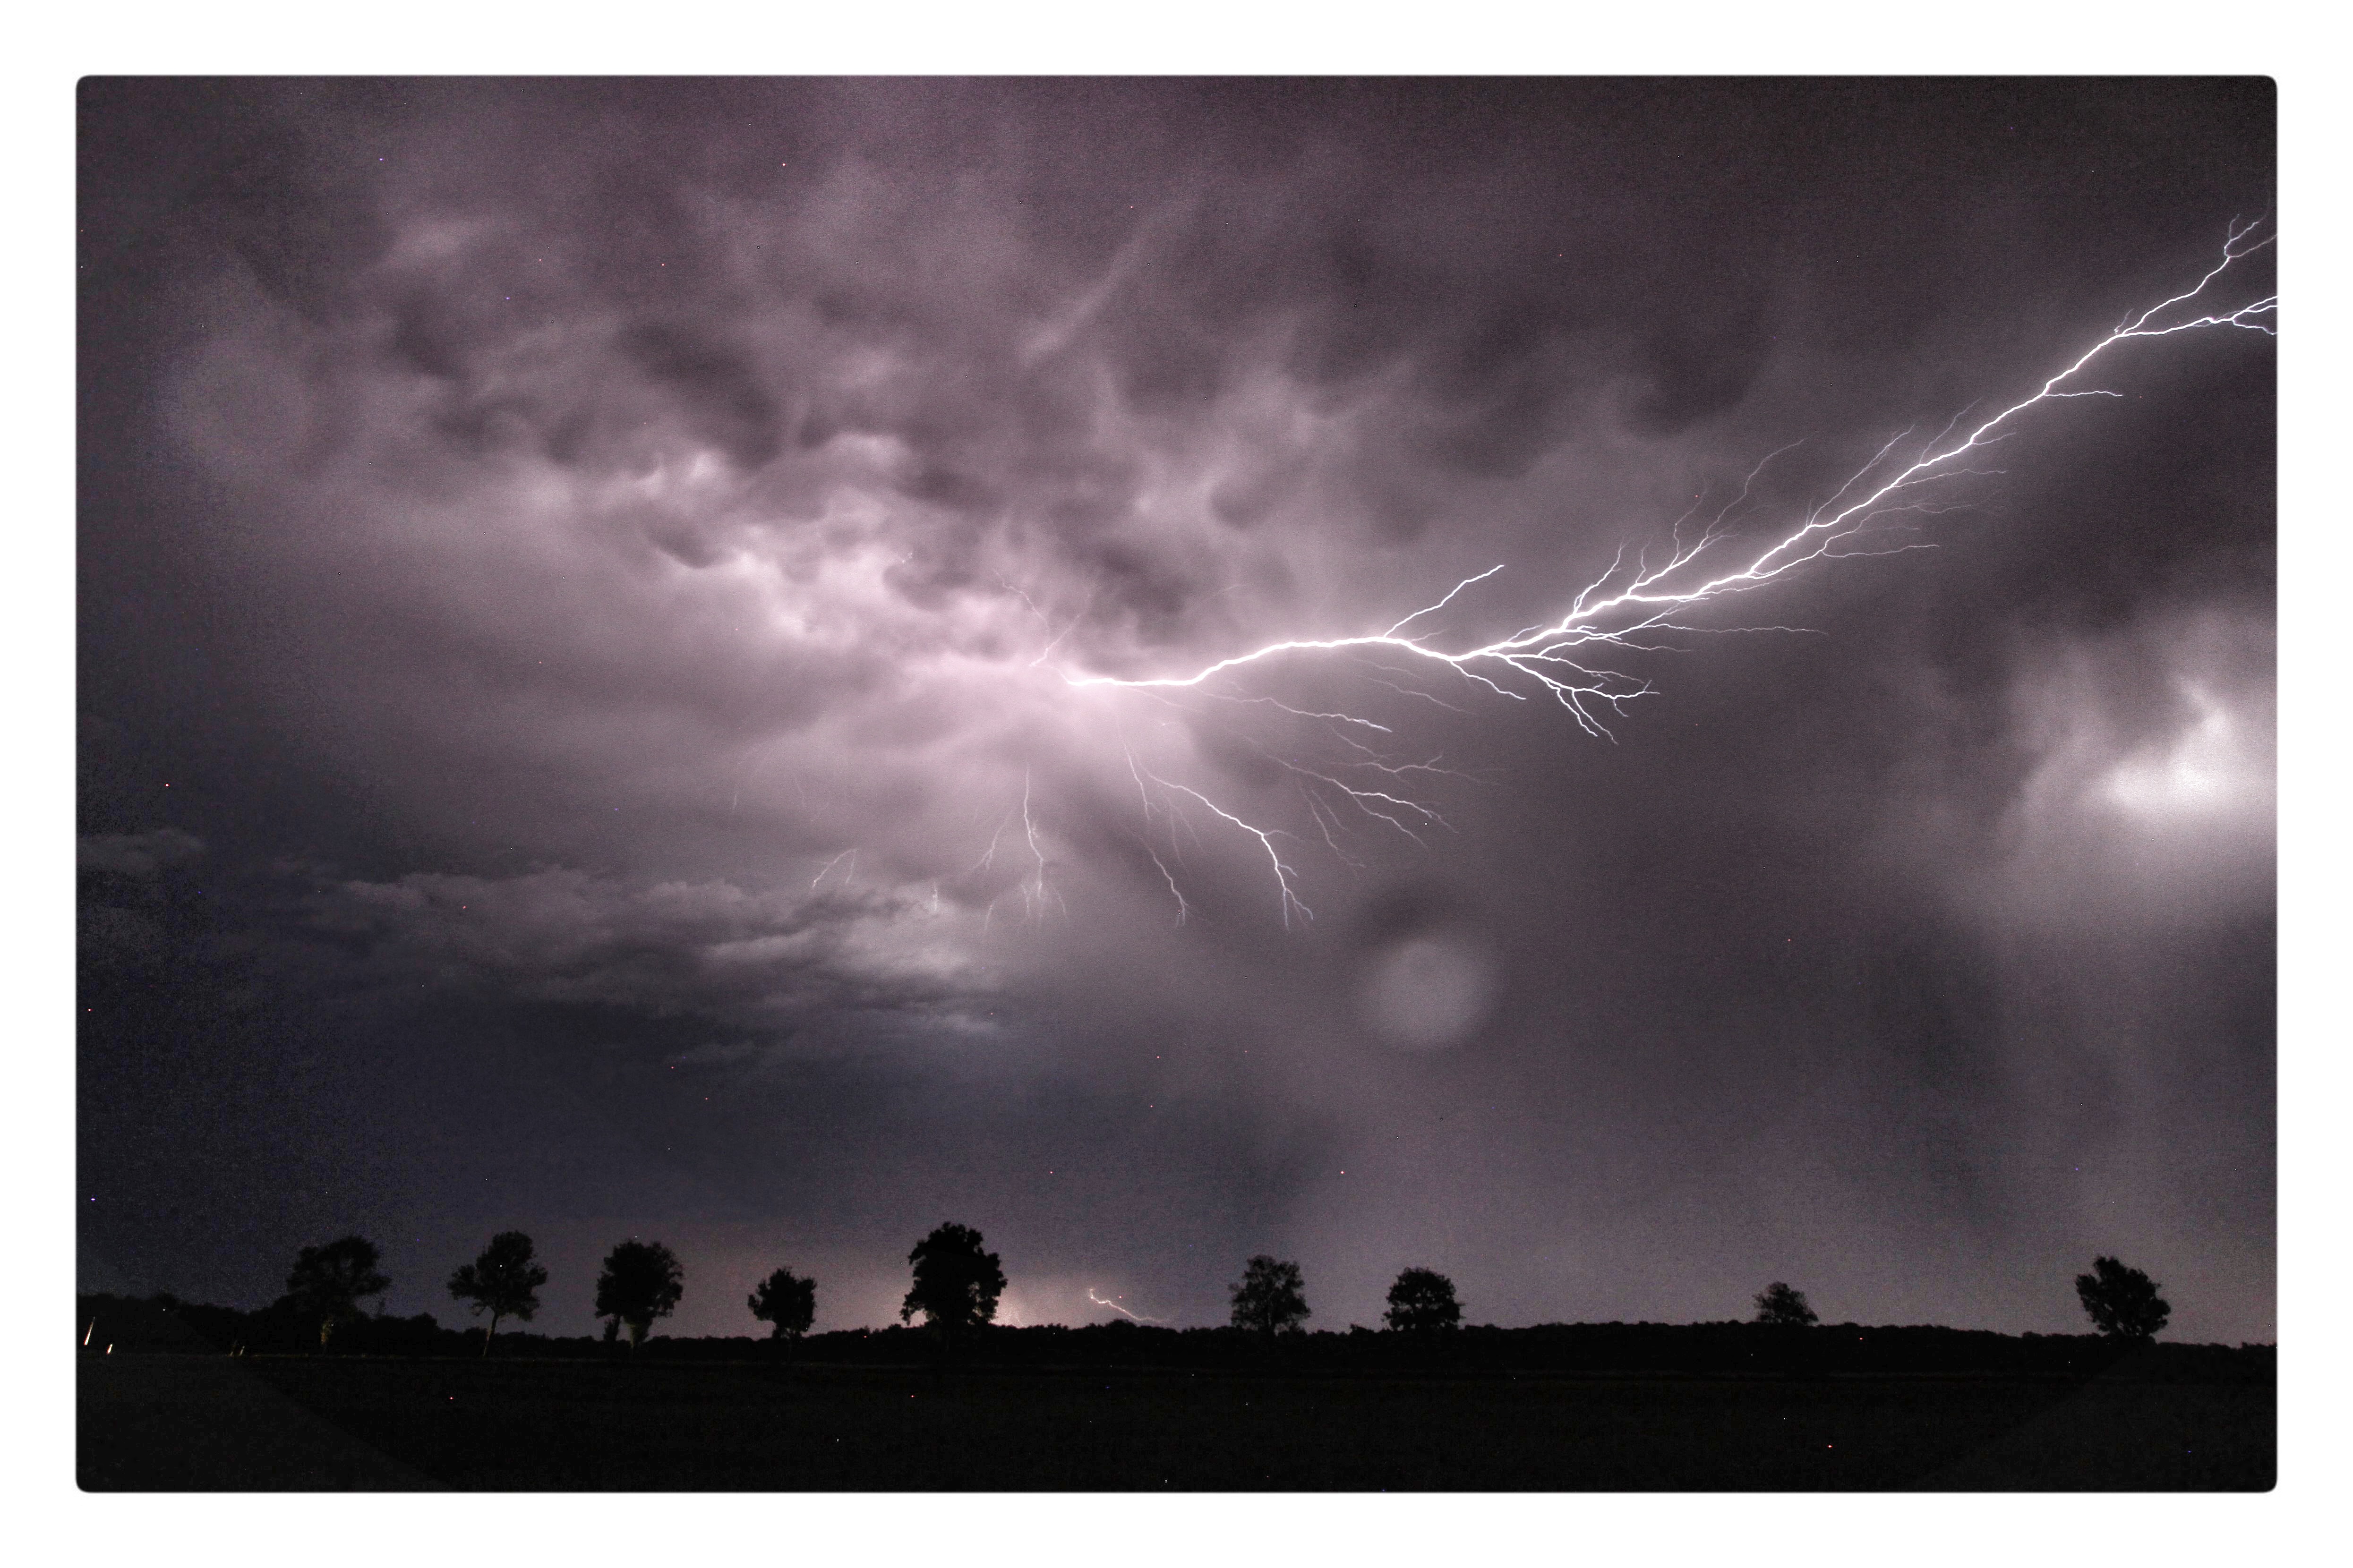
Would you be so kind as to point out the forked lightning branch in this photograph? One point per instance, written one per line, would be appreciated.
(1622, 613)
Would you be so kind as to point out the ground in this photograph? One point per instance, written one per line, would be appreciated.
(292, 1422)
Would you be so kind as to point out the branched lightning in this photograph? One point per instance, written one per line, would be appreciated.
(1266, 836)
(1304, 712)
(1632, 607)
(1363, 799)
(1602, 615)
(1183, 909)
(1034, 892)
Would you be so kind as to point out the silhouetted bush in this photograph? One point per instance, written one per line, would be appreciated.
(1778, 1304)
(327, 1283)
(2123, 1303)
(1595, 1350)
(641, 1281)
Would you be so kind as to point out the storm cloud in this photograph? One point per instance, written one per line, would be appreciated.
(603, 568)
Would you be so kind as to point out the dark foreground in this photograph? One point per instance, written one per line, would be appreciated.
(176, 1423)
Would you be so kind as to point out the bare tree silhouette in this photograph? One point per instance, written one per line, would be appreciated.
(503, 1281)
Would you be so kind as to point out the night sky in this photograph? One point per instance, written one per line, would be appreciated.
(581, 589)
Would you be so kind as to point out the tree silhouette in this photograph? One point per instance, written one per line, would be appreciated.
(786, 1302)
(1422, 1298)
(1776, 1303)
(956, 1284)
(503, 1281)
(326, 1283)
(2123, 1303)
(1268, 1298)
(641, 1281)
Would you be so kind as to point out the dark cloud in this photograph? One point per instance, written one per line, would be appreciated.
(710, 950)
(716, 383)
(137, 854)
(599, 565)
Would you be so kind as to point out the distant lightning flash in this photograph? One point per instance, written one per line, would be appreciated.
(1035, 892)
(850, 854)
(1624, 602)
(1133, 1317)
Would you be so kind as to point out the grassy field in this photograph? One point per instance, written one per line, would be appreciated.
(169, 1423)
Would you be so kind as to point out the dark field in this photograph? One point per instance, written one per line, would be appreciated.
(168, 1423)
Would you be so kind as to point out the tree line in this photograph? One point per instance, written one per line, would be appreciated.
(956, 1284)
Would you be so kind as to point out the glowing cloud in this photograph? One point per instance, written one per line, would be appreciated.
(1633, 601)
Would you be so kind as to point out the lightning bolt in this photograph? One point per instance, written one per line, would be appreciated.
(1183, 909)
(1599, 615)
(850, 854)
(1282, 873)
(1621, 610)
(1134, 1317)
(1035, 893)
